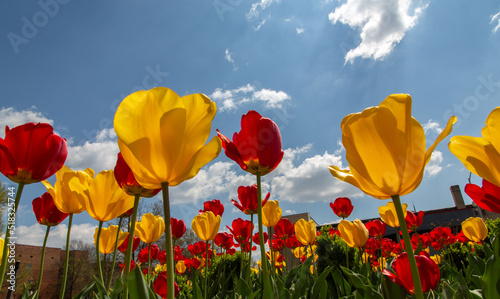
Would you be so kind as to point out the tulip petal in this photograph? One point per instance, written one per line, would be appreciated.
(490, 131)
(478, 156)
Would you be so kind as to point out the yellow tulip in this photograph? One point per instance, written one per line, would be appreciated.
(1, 251)
(180, 267)
(388, 214)
(436, 258)
(108, 237)
(271, 213)
(385, 148)
(353, 233)
(68, 197)
(481, 155)
(298, 252)
(162, 136)
(106, 199)
(305, 231)
(206, 225)
(475, 229)
(150, 228)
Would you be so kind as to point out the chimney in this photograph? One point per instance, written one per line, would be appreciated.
(457, 197)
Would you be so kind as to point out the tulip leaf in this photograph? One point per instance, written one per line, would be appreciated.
(84, 292)
(341, 284)
(363, 287)
(491, 277)
(320, 287)
(117, 287)
(138, 288)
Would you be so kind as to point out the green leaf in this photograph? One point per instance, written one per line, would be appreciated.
(491, 277)
(363, 287)
(117, 288)
(320, 287)
(138, 287)
(85, 291)
(100, 289)
(341, 284)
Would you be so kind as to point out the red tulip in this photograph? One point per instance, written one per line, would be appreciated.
(241, 230)
(192, 262)
(224, 240)
(132, 265)
(197, 248)
(257, 147)
(31, 153)
(127, 181)
(278, 244)
(389, 246)
(248, 199)
(372, 245)
(160, 286)
(376, 228)
(441, 236)
(177, 254)
(178, 228)
(215, 206)
(487, 197)
(428, 271)
(292, 242)
(342, 207)
(256, 238)
(143, 255)
(46, 211)
(284, 229)
(332, 232)
(124, 246)
(413, 221)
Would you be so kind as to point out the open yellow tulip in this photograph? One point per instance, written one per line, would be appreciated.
(305, 231)
(106, 199)
(475, 229)
(353, 233)
(162, 136)
(150, 228)
(67, 198)
(385, 148)
(108, 237)
(206, 225)
(481, 155)
(388, 214)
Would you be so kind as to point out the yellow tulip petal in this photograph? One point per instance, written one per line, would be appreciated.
(491, 131)
(478, 156)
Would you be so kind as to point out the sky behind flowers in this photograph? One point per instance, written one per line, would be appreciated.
(304, 64)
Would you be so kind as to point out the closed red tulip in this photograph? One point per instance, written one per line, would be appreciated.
(257, 147)
(224, 240)
(241, 230)
(413, 221)
(256, 238)
(284, 229)
(178, 228)
(376, 228)
(123, 247)
(31, 153)
(486, 197)
(342, 207)
(248, 199)
(127, 181)
(46, 211)
(428, 271)
(160, 286)
(215, 206)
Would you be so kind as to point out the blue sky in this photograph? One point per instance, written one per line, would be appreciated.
(304, 64)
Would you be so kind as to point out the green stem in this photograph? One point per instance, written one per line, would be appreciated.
(3, 266)
(409, 249)
(263, 257)
(149, 263)
(114, 255)
(130, 245)
(206, 270)
(346, 255)
(168, 242)
(313, 261)
(66, 260)
(99, 267)
(273, 265)
(42, 259)
(250, 253)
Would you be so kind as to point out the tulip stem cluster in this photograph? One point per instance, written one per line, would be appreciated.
(41, 262)
(168, 242)
(99, 267)
(130, 245)
(111, 272)
(409, 249)
(7, 233)
(66, 259)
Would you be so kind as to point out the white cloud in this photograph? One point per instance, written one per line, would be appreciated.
(383, 24)
(495, 18)
(99, 155)
(231, 99)
(258, 7)
(300, 30)
(12, 118)
(434, 166)
(290, 212)
(34, 234)
(230, 59)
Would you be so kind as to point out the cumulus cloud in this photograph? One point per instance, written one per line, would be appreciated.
(230, 59)
(300, 30)
(383, 24)
(258, 7)
(432, 130)
(34, 234)
(231, 99)
(12, 118)
(434, 166)
(495, 19)
(99, 154)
